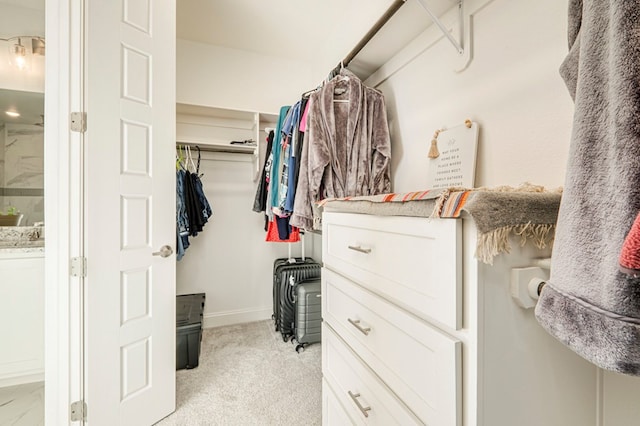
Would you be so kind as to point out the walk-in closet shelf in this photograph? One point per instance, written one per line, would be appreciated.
(213, 129)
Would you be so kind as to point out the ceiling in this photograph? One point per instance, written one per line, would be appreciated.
(30, 105)
(318, 32)
(297, 29)
(21, 17)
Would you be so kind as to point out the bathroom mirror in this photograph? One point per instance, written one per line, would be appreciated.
(22, 155)
(22, 65)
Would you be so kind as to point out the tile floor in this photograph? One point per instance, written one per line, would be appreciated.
(22, 405)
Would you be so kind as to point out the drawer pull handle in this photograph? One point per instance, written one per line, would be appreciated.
(355, 397)
(356, 324)
(360, 249)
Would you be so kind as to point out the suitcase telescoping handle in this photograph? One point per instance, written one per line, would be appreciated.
(290, 257)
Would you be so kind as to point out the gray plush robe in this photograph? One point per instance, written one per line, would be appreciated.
(588, 304)
(346, 150)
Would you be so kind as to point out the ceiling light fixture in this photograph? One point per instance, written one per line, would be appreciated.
(37, 46)
(20, 54)
(13, 114)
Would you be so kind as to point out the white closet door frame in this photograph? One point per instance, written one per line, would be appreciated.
(63, 213)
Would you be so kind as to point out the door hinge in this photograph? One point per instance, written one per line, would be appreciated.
(78, 267)
(79, 122)
(79, 411)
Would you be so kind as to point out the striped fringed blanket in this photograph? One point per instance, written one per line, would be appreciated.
(527, 211)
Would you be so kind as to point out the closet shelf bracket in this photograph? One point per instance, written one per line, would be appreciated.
(463, 46)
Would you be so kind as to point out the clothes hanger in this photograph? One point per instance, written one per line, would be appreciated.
(341, 78)
(307, 94)
(190, 164)
(179, 158)
(186, 158)
(340, 75)
(198, 166)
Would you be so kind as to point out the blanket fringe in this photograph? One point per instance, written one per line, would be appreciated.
(437, 209)
(493, 243)
(523, 187)
(442, 199)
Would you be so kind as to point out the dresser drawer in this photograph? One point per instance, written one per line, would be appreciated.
(416, 262)
(333, 413)
(421, 364)
(365, 399)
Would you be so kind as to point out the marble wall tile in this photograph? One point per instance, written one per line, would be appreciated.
(3, 131)
(22, 170)
(24, 156)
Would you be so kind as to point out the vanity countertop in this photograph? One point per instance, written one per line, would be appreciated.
(21, 239)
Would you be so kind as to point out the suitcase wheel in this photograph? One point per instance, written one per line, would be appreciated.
(300, 348)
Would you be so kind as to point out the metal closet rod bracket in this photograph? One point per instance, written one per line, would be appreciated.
(463, 47)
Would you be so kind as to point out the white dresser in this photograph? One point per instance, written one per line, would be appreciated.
(416, 331)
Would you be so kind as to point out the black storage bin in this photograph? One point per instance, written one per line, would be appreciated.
(189, 311)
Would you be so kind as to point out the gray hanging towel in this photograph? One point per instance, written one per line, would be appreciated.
(588, 304)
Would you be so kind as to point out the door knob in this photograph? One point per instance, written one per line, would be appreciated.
(165, 251)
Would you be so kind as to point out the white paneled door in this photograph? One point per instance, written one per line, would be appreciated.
(130, 211)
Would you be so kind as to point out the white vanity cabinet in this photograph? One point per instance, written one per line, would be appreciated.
(416, 331)
(21, 316)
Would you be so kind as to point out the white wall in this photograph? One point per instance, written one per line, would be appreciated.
(620, 399)
(236, 79)
(230, 261)
(511, 88)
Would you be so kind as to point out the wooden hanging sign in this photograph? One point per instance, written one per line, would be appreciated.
(452, 157)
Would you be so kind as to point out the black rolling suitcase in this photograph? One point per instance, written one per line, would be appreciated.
(277, 266)
(284, 278)
(286, 272)
(308, 316)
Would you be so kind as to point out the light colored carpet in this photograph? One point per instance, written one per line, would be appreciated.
(248, 376)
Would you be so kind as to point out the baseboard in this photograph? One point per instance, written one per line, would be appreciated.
(21, 379)
(218, 319)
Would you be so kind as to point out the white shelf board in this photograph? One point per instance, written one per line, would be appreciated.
(207, 111)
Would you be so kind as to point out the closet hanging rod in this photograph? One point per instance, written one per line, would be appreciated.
(208, 147)
(395, 6)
